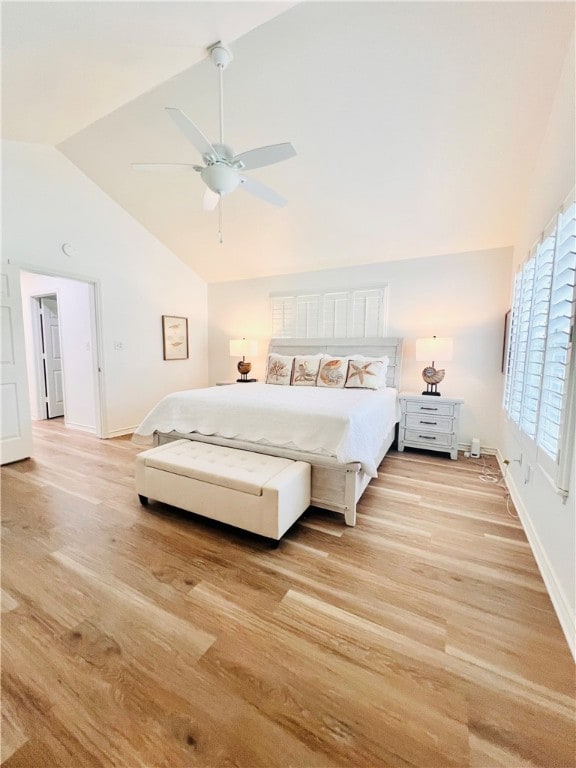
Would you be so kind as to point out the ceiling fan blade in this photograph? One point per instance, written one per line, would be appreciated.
(191, 132)
(211, 200)
(166, 167)
(258, 158)
(260, 190)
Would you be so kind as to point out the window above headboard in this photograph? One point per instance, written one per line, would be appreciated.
(358, 313)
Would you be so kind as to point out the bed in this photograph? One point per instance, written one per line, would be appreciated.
(343, 434)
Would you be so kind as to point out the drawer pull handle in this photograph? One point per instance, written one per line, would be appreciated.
(427, 408)
(427, 437)
(428, 422)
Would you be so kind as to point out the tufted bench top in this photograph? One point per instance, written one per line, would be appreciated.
(216, 464)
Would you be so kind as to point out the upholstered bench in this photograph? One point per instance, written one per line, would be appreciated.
(259, 493)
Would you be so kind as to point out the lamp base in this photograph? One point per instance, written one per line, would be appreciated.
(244, 369)
(245, 381)
(437, 394)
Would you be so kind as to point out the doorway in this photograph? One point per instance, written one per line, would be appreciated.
(62, 350)
(49, 355)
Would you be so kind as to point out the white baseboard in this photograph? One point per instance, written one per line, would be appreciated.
(80, 427)
(120, 432)
(566, 614)
(483, 449)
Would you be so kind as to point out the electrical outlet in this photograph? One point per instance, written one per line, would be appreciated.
(118, 345)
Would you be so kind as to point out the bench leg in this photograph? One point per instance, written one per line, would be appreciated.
(143, 500)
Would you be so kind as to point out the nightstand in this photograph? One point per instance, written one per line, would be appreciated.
(429, 422)
(225, 383)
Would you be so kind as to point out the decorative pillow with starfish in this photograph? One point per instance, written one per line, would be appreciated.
(385, 360)
(364, 374)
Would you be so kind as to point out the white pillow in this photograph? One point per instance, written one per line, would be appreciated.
(364, 373)
(305, 371)
(332, 372)
(385, 360)
(279, 369)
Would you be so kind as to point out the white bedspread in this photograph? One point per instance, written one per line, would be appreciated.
(349, 424)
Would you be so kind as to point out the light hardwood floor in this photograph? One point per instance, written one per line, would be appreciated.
(149, 637)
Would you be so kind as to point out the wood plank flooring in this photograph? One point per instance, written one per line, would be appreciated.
(150, 637)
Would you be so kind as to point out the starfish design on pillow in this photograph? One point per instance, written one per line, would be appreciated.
(360, 371)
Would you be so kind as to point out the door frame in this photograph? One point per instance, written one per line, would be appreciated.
(95, 310)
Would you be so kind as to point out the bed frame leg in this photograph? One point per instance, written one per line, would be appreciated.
(350, 516)
(350, 497)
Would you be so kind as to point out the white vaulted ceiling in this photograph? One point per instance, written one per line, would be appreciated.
(416, 124)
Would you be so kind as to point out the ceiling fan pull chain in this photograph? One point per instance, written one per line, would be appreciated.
(220, 220)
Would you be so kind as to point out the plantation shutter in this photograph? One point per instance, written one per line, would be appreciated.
(360, 313)
(560, 337)
(335, 315)
(512, 343)
(367, 308)
(522, 333)
(283, 316)
(307, 316)
(536, 344)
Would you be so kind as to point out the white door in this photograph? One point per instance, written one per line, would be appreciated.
(15, 423)
(52, 357)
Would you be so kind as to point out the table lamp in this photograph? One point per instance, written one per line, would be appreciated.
(434, 348)
(241, 348)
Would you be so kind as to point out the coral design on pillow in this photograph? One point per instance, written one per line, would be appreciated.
(279, 369)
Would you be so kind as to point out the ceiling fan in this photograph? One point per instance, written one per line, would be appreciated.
(222, 171)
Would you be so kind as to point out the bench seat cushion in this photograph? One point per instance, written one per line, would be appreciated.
(217, 465)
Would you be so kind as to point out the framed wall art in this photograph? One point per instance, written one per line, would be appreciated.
(175, 337)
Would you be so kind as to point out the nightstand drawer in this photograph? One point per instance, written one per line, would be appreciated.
(429, 422)
(423, 438)
(432, 409)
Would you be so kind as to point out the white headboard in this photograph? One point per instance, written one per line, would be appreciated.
(375, 347)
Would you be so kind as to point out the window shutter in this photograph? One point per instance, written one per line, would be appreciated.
(512, 343)
(559, 341)
(283, 316)
(335, 315)
(366, 307)
(536, 344)
(307, 316)
(522, 333)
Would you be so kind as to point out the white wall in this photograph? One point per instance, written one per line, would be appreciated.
(464, 296)
(77, 340)
(550, 521)
(47, 201)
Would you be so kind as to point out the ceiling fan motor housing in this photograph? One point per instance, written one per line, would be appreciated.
(220, 178)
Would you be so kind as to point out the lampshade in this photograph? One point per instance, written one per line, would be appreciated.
(243, 348)
(438, 349)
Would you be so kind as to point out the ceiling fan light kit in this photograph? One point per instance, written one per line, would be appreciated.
(221, 169)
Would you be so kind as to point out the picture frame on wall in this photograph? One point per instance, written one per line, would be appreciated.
(175, 337)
